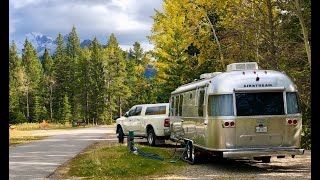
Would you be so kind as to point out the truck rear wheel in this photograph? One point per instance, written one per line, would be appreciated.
(151, 138)
(120, 135)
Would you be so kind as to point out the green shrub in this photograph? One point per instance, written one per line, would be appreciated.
(306, 137)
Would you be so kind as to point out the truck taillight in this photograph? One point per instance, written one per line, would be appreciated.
(166, 122)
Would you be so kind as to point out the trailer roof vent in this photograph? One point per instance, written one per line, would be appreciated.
(209, 75)
(242, 66)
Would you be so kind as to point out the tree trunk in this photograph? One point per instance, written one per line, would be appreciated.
(272, 36)
(87, 105)
(217, 41)
(51, 102)
(28, 113)
(119, 104)
(304, 30)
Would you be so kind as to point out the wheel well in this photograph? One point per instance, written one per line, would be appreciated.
(149, 127)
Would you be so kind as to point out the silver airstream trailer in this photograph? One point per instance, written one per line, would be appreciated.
(243, 113)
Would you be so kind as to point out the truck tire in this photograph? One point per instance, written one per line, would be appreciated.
(151, 137)
(120, 135)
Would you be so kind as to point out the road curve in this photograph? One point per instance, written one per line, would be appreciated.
(39, 159)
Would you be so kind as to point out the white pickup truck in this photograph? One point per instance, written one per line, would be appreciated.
(150, 121)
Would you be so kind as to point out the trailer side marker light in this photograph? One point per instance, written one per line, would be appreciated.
(254, 72)
(232, 124)
(243, 73)
(295, 121)
(289, 121)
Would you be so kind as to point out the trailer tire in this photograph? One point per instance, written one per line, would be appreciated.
(191, 155)
(151, 137)
(120, 135)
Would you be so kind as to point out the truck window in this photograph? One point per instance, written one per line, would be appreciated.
(200, 104)
(262, 103)
(138, 111)
(131, 111)
(292, 103)
(220, 105)
(156, 110)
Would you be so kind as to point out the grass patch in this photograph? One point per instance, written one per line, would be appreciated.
(114, 162)
(37, 126)
(45, 125)
(18, 137)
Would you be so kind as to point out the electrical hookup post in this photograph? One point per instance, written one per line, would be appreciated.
(130, 139)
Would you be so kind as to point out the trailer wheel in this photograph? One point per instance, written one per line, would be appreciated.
(120, 135)
(191, 155)
(151, 138)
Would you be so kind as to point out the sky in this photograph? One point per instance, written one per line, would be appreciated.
(129, 20)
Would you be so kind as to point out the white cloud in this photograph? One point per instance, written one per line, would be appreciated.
(17, 4)
(129, 20)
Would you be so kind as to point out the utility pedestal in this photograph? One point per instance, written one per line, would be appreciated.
(130, 141)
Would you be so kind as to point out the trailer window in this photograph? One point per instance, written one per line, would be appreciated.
(292, 103)
(172, 106)
(220, 105)
(200, 104)
(264, 103)
(176, 101)
(180, 104)
(156, 110)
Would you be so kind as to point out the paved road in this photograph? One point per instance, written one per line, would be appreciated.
(38, 160)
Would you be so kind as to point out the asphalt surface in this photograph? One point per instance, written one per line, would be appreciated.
(39, 159)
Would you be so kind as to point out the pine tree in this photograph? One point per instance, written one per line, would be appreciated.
(84, 80)
(32, 67)
(66, 113)
(97, 94)
(137, 82)
(114, 66)
(14, 93)
(47, 63)
(59, 79)
(73, 51)
(37, 109)
(48, 80)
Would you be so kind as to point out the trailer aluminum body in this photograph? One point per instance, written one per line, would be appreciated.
(244, 113)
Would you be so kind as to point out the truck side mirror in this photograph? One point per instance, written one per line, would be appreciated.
(126, 114)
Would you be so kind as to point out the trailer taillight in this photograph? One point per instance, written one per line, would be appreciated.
(166, 122)
(228, 123)
(292, 121)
